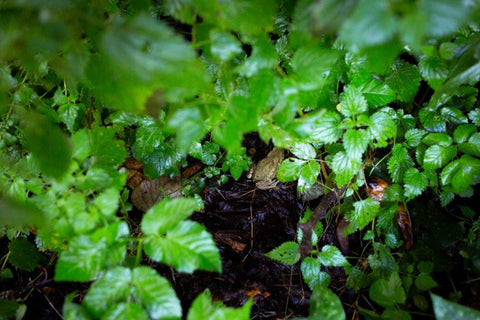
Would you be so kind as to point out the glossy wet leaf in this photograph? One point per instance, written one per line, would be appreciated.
(399, 162)
(352, 102)
(388, 292)
(415, 182)
(344, 167)
(287, 253)
(330, 256)
(203, 308)
(445, 309)
(355, 142)
(364, 213)
(437, 156)
(312, 274)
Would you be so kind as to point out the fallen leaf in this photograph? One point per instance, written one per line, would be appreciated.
(149, 192)
(376, 188)
(405, 224)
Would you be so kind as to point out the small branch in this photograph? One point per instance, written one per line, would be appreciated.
(318, 214)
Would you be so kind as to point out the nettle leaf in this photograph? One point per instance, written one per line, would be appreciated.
(248, 17)
(187, 247)
(23, 254)
(203, 308)
(404, 80)
(425, 282)
(442, 139)
(415, 182)
(324, 304)
(344, 167)
(463, 132)
(446, 310)
(312, 65)
(304, 151)
(224, 45)
(434, 70)
(389, 292)
(287, 253)
(290, 169)
(312, 274)
(364, 212)
(371, 23)
(327, 128)
(167, 214)
(382, 128)
(308, 175)
(264, 56)
(87, 256)
(108, 151)
(432, 121)
(474, 116)
(355, 142)
(398, 163)
(352, 102)
(414, 136)
(377, 93)
(437, 156)
(143, 285)
(331, 256)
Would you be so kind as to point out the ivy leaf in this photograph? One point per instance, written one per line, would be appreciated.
(404, 80)
(446, 310)
(224, 45)
(371, 23)
(327, 128)
(364, 212)
(414, 136)
(287, 253)
(167, 214)
(324, 304)
(353, 102)
(425, 282)
(355, 142)
(186, 247)
(344, 167)
(437, 156)
(389, 292)
(290, 169)
(312, 274)
(382, 128)
(332, 257)
(23, 254)
(203, 308)
(398, 163)
(415, 182)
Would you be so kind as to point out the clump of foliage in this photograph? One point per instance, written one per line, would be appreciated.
(351, 89)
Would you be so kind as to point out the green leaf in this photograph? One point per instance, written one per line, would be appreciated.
(23, 254)
(414, 136)
(87, 256)
(304, 151)
(224, 45)
(327, 128)
(166, 214)
(415, 183)
(68, 114)
(404, 80)
(290, 169)
(387, 292)
(324, 304)
(364, 213)
(125, 311)
(444, 17)
(398, 163)
(355, 142)
(81, 145)
(434, 70)
(186, 247)
(312, 274)
(344, 167)
(264, 56)
(371, 23)
(442, 139)
(446, 310)
(308, 174)
(287, 253)
(352, 102)
(248, 17)
(382, 128)
(463, 132)
(377, 93)
(474, 116)
(425, 282)
(109, 152)
(73, 311)
(436, 156)
(189, 127)
(203, 308)
(108, 202)
(48, 145)
(332, 257)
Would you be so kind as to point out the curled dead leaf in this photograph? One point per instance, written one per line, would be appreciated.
(149, 192)
(405, 224)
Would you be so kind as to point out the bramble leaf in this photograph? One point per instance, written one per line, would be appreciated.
(437, 156)
(377, 93)
(414, 136)
(463, 132)
(308, 174)
(344, 167)
(415, 182)
(327, 129)
(399, 162)
(312, 274)
(287, 253)
(290, 169)
(330, 256)
(387, 292)
(23, 254)
(203, 308)
(355, 142)
(382, 128)
(353, 102)
(364, 213)
(404, 80)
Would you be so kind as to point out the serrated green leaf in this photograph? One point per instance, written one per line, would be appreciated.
(404, 80)
(203, 308)
(189, 127)
(186, 247)
(248, 17)
(308, 174)
(434, 70)
(463, 132)
(287, 253)
(344, 167)
(446, 310)
(312, 274)
(165, 215)
(465, 173)
(415, 182)
(73, 311)
(447, 50)
(377, 93)
(398, 163)
(23, 254)
(264, 56)
(371, 23)
(125, 311)
(425, 282)
(224, 45)
(312, 65)
(304, 151)
(448, 172)
(436, 156)
(68, 114)
(352, 102)
(108, 202)
(444, 16)
(382, 128)
(414, 136)
(364, 213)
(432, 120)
(442, 139)
(331, 256)
(290, 169)
(327, 128)
(355, 142)
(454, 114)
(324, 304)
(474, 116)
(109, 152)
(387, 292)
